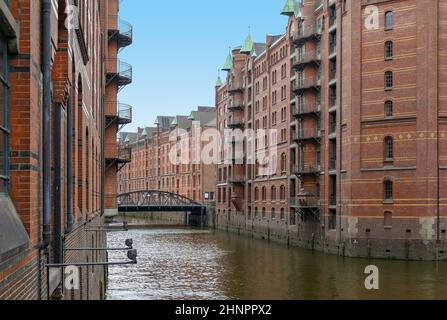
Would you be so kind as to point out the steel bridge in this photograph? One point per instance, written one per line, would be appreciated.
(158, 201)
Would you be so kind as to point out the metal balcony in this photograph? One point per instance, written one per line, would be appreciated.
(120, 72)
(119, 114)
(300, 111)
(237, 179)
(304, 84)
(312, 58)
(310, 33)
(307, 205)
(236, 123)
(119, 154)
(306, 169)
(120, 30)
(301, 136)
(235, 86)
(236, 106)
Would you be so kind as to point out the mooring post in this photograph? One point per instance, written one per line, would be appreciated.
(201, 217)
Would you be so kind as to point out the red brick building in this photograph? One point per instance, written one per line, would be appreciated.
(363, 162)
(52, 151)
(151, 167)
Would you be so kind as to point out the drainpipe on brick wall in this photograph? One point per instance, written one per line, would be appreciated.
(69, 134)
(46, 121)
(57, 248)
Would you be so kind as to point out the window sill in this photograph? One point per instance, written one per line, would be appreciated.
(388, 202)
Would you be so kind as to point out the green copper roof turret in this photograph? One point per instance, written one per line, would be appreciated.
(289, 8)
(191, 116)
(219, 82)
(174, 123)
(228, 66)
(247, 48)
(127, 140)
(144, 133)
(157, 122)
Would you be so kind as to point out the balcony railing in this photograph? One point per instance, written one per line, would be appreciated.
(237, 122)
(306, 134)
(236, 179)
(306, 109)
(118, 113)
(307, 58)
(303, 84)
(118, 152)
(306, 33)
(120, 29)
(306, 169)
(236, 86)
(119, 71)
(308, 201)
(236, 106)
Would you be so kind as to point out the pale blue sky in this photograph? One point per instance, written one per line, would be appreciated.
(179, 46)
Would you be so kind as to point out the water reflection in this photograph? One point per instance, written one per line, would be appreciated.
(194, 264)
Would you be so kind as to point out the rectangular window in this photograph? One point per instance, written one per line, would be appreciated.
(4, 117)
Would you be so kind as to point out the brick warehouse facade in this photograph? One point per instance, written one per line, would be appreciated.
(51, 190)
(151, 168)
(361, 161)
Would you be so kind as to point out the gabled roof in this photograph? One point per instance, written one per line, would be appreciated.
(164, 122)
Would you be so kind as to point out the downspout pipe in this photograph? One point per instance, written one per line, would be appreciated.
(57, 247)
(69, 134)
(46, 121)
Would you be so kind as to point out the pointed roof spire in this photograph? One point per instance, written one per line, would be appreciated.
(247, 48)
(289, 8)
(219, 80)
(191, 116)
(144, 133)
(254, 54)
(157, 122)
(174, 123)
(127, 140)
(228, 66)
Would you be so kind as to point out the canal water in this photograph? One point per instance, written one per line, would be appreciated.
(188, 264)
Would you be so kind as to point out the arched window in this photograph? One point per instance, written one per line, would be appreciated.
(273, 193)
(388, 109)
(283, 214)
(388, 50)
(264, 194)
(283, 193)
(256, 212)
(264, 213)
(283, 163)
(256, 194)
(273, 214)
(389, 20)
(388, 80)
(389, 149)
(388, 190)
